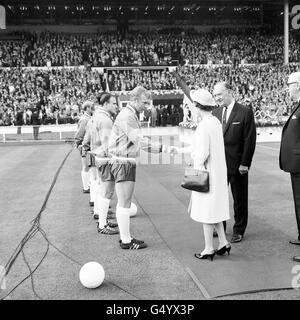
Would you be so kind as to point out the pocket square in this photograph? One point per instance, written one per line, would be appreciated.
(235, 122)
(294, 117)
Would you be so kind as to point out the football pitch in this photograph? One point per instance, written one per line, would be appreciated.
(260, 267)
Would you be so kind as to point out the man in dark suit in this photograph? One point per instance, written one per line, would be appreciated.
(36, 123)
(289, 157)
(240, 139)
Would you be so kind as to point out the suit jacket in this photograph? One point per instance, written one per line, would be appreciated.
(35, 118)
(239, 137)
(289, 156)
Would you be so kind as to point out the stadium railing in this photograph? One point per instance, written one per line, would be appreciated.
(46, 133)
(43, 132)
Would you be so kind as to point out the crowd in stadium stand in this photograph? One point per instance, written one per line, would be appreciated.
(126, 80)
(261, 86)
(45, 97)
(58, 93)
(155, 48)
(54, 95)
(163, 114)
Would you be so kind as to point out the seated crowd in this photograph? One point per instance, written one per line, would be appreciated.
(261, 86)
(222, 46)
(55, 95)
(51, 96)
(126, 80)
(58, 94)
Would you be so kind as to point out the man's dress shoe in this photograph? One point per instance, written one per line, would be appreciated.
(236, 238)
(296, 242)
(296, 258)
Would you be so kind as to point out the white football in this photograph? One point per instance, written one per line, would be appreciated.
(91, 275)
(133, 209)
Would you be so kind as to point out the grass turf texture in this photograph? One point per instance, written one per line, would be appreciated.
(154, 273)
(26, 173)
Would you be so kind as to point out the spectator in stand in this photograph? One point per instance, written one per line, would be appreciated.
(222, 46)
(153, 116)
(59, 92)
(19, 117)
(164, 116)
(158, 110)
(35, 122)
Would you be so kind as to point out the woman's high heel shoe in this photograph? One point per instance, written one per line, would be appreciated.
(205, 256)
(223, 250)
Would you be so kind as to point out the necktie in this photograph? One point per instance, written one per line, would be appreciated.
(224, 119)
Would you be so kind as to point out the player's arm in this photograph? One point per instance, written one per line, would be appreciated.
(86, 142)
(80, 133)
(249, 136)
(174, 149)
(133, 133)
(104, 130)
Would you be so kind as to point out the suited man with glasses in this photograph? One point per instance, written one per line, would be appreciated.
(240, 139)
(289, 156)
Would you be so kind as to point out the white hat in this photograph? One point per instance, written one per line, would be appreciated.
(203, 97)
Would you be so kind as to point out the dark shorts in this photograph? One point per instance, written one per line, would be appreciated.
(83, 153)
(119, 171)
(90, 158)
(104, 171)
(80, 149)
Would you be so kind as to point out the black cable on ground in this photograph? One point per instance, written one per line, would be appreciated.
(31, 234)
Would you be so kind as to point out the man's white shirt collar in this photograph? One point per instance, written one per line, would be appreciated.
(229, 109)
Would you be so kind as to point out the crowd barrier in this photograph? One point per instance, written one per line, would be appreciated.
(67, 132)
(62, 132)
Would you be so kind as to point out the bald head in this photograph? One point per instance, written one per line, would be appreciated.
(223, 85)
(294, 86)
(223, 94)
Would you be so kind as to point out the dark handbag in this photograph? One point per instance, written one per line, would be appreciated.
(196, 180)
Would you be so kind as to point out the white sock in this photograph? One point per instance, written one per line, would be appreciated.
(123, 219)
(85, 177)
(97, 195)
(93, 190)
(102, 205)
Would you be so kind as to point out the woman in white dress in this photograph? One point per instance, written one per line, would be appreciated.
(207, 152)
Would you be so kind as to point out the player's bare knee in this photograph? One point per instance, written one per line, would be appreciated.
(108, 194)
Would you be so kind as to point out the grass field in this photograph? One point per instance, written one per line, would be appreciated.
(26, 173)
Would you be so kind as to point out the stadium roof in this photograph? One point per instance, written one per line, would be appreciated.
(139, 2)
(68, 10)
